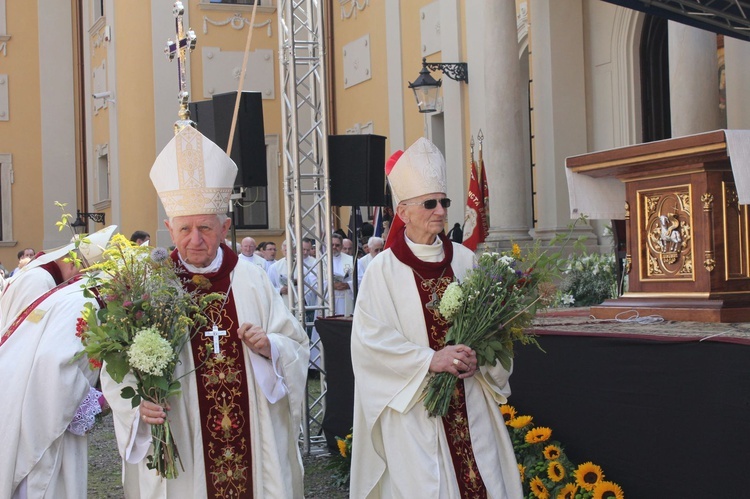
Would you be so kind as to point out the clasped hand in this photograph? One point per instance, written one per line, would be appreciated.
(255, 338)
(458, 360)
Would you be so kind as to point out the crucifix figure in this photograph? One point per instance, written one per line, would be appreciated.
(434, 303)
(216, 333)
(185, 42)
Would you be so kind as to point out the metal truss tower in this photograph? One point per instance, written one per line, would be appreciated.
(306, 180)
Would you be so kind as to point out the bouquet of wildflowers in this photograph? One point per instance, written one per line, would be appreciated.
(489, 311)
(149, 318)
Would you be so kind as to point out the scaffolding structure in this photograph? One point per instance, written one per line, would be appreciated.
(306, 181)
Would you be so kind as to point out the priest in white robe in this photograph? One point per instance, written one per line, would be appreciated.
(49, 401)
(343, 277)
(398, 342)
(238, 417)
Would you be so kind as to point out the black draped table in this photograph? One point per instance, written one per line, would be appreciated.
(335, 334)
(664, 414)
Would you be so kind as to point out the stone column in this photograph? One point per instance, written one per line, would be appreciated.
(558, 92)
(505, 140)
(693, 80)
(737, 62)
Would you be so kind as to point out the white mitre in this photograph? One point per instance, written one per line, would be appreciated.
(193, 176)
(90, 250)
(420, 170)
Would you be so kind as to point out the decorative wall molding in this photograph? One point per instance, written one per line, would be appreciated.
(221, 72)
(6, 192)
(237, 7)
(522, 20)
(429, 27)
(236, 21)
(355, 7)
(357, 64)
(4, 36)
(4, 98)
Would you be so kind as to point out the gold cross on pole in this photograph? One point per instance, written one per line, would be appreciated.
(185, 42)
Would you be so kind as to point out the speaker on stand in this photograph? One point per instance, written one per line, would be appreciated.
(356, 166)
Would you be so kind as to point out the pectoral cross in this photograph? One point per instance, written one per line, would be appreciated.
(215, 333)
(185, 42)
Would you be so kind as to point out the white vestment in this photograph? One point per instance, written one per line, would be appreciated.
(276, 390)
(257, 260)
(343, 270)
(362, 264)
(41, 390)
(21, 290)
(277, 273)
(398, 450)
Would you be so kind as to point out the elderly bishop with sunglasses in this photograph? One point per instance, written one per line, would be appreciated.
(398, 342)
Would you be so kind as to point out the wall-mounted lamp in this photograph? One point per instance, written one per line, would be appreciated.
(79, 226)
(427, 89)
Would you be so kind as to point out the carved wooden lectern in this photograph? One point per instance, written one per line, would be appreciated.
(688, 250)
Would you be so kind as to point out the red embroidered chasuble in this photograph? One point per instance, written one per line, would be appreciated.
(222, 387)
(434, 277)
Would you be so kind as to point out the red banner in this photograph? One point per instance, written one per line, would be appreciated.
(476, 226)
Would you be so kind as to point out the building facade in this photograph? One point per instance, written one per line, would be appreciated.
(88, 99)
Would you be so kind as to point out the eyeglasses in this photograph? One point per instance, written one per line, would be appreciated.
(431, 204)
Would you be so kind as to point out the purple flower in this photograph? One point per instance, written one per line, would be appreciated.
(127, 303)
(139, 315)
(145, 296)
(159, 255)
(110, 298)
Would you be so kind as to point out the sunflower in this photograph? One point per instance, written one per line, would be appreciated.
(522, 471)
(568, 492)
(508, 412)
(588, 475)
(555, 471)
(538, 488)
(519, 421)
(552, 452)
(342, 447)
(608, 490)
(538, 434)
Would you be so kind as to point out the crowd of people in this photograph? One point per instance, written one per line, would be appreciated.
(237, 420)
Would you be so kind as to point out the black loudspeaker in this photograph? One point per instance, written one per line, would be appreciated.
(214, 120)
(356, 164)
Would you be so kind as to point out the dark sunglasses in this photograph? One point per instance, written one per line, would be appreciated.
(431, 204)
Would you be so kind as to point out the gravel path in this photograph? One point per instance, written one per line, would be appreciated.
(104, 469)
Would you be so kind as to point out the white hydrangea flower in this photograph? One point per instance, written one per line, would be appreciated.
(150, 353)
(452, 300)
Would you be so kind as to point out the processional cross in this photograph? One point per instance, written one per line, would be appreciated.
(216, 333)
(185, 42)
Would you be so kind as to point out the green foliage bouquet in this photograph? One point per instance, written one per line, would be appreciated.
(489, 311)
(148, 319)
(588, 279)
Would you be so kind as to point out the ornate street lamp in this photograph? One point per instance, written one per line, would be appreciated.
(79, 226)
(427, 89)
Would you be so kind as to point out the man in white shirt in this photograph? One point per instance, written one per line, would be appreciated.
(247, 252)
(374, 246)
(343, 269)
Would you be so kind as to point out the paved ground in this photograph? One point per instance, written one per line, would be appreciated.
(104, 469)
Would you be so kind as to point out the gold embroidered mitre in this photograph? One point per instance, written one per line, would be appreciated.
(193, 176)
(419, 170)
